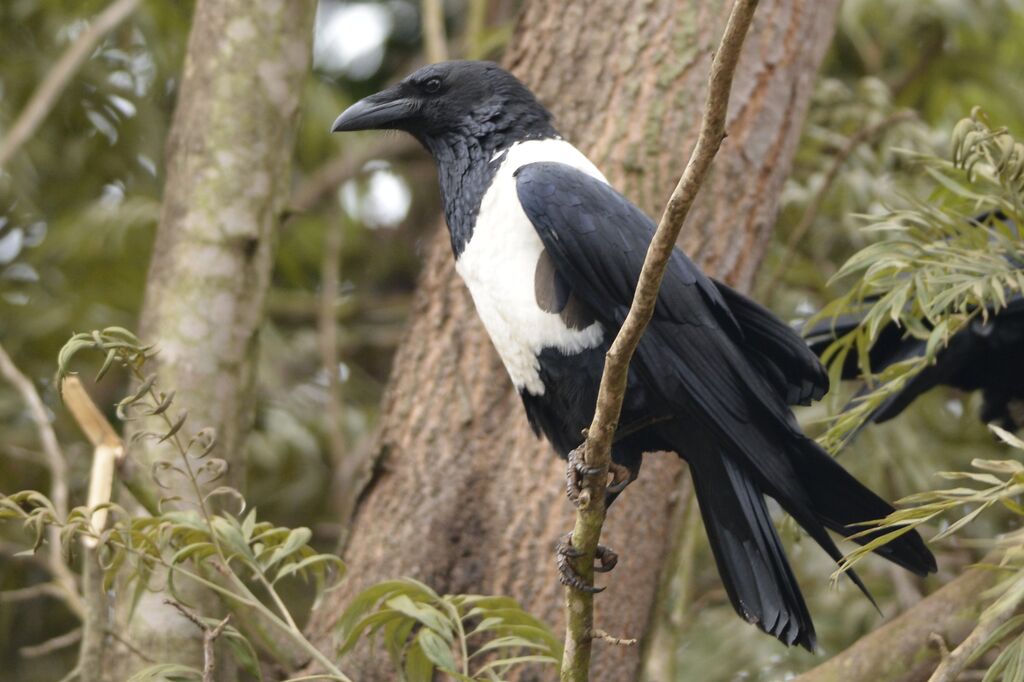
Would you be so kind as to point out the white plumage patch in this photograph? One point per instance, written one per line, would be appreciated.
(499, 262)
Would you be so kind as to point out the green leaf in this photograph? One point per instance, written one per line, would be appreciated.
(437, 650)
(296, 539)
(425, 614)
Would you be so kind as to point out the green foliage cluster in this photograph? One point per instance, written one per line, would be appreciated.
(424, 632)
(942, 263)
(236, 556)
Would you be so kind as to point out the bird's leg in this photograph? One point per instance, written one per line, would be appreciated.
(577, 470)
(567, 575)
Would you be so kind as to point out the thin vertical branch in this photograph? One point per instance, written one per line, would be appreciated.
(435, 42)
(57, 465)
(46, 95)
(600, 435)
(330, 277)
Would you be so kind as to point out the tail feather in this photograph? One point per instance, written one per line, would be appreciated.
(841, 502)
(748, 552)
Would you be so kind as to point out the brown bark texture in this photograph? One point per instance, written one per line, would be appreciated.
(464, 497)
(228, 177)
(905, 649)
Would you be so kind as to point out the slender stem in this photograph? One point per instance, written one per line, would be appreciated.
(46, 95)
(277, 600)
(434, 38)
(251, 600)
(64, 579)
(601, 434)
(814, 208)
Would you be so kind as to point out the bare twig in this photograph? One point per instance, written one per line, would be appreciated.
(47, 589)
(54, 644)
(210, 635)
(325, 180)
(328, 336)
(46, 95)
(863, 135)
(601, 434)
(598, 633)
(57, 465)
(435, 42)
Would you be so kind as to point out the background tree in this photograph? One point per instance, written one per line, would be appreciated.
(458, 474)
(228, 170)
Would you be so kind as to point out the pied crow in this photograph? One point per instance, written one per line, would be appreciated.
(987, 355)
(551, 254)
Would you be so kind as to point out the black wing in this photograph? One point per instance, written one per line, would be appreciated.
(693, 356)
(598, 241)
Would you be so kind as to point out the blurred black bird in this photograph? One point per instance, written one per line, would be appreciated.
(551, 254)
(987, 356)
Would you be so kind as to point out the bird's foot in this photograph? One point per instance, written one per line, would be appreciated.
(577, 470)
(567, 575)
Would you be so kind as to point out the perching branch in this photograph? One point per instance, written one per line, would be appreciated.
(601, 434)
(46, 95)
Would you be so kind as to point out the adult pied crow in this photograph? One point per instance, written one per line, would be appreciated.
(551, 253)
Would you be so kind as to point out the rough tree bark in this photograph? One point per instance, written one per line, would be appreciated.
(904, 649)
(228, 176)
(464, 497)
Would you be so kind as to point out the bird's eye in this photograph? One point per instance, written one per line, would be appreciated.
(432, 84)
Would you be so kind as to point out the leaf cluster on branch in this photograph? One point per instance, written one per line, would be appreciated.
(188, 538)
(941, 263)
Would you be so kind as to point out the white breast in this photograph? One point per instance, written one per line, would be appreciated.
(499, 262)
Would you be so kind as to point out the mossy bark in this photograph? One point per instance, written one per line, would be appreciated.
(464, 497)
(228, 175)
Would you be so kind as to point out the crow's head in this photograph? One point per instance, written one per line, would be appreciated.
(449, 100)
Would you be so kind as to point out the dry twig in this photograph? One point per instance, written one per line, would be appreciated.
(863, 135)
(600, 435)
(210, 635)
(46, 95)
(55, 462)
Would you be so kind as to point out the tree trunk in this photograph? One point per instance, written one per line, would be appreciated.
(464, 497)
(228, 176)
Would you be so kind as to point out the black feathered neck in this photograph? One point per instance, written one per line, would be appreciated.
(469, 153)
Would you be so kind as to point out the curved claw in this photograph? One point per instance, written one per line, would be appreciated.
(577, 469)
(567, 575)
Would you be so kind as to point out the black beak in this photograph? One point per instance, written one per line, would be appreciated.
(376, 112)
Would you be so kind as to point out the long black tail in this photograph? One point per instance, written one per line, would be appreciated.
(814, 489)
(749, 554)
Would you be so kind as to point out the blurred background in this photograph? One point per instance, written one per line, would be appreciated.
(79, 203)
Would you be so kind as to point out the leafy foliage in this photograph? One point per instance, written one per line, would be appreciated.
(942, 262)
(235, 555)
(424, 632)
